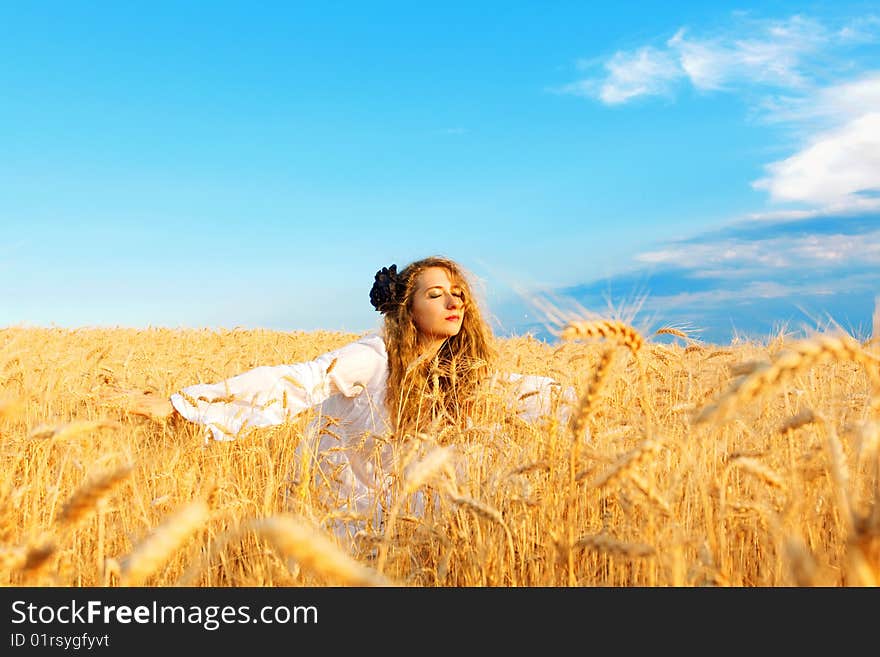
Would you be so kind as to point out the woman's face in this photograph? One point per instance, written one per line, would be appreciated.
(437, 305)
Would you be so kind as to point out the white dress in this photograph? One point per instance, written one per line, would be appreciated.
(347, 388)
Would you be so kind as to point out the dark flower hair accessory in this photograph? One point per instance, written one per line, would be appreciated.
(385, 290)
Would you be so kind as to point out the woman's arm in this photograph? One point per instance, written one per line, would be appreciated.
(272, 395)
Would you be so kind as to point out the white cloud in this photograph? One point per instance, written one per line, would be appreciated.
(661, 257)
(860, 30)
(757, 289)
(647, 71)
(787, 65)
(757, 52)
(707, 64)
(768, 290)
(849, 99)
(835, 171)
(721, 258)
(727, 253)
(773, 57)
(753, 290)
(783, 215)
(847, 249)
(826, 106)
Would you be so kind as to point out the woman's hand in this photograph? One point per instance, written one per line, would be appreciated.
(148, 404)
(143, 403)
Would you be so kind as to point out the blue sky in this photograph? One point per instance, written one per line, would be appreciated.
(253, 164)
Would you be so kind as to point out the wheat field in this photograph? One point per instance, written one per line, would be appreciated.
(754, 464)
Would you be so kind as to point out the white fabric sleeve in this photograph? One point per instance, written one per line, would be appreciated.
(271, 395)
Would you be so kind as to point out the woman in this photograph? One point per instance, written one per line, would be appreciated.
(428, 368)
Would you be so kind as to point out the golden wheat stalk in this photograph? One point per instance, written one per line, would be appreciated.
(420, 473)
(415, 476)
(868, 456)
(611, 545)
(188, 399)
(534, 466)
(747, 506)
(151, 553)
(314, 551)
(479, 508)
(800, 419)
(71, 429)
(789, 362)
(587, 401)
(801, 563)
(746, 368)
(615, 330)
(662, 354)
(648, 490)
(623, 465)
(487, 512)
(87, 498)
(626, 335)
(839, 477)
(36, 559)
(671, 330)
(759, 470)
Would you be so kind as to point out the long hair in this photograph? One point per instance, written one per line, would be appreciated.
(422, 391)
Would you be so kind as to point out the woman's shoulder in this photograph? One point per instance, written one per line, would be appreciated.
(368, 347)
(357, 365)
(373, 341)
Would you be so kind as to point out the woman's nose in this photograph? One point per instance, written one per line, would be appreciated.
(453, 301)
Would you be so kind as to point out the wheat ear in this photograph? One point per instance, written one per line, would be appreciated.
(88, 497)
(785, 365)
(623, 465)
(609, 329)
(489, 513)
(436, 460)
(611, 545)
(759, 470)
(591, 394)
(314, 551)
(162, 542)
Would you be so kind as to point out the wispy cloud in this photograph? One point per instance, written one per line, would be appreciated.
(770, 254)
(798, 72)
(826, 106)
(751, 276)
(715, 298)
(861, 30)
(646, 71)
(760, 52)
(770, 53)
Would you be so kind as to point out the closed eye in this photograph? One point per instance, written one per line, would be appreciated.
(436, 293)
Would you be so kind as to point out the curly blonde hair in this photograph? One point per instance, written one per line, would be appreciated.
(424, 391)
